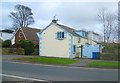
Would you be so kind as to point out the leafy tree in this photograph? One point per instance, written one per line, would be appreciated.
(6, 43)
(27, 45)
(20, 43)
(22, 16)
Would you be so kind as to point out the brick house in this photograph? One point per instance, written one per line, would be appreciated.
(26, 34)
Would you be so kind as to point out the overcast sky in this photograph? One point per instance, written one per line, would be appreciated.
(78, 15)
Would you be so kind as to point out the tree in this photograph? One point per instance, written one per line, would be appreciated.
(6, 43)
(27, 45)
(22, 16)
(108, 20)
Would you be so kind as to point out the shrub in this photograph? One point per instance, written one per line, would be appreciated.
(109, 56)
(14, 51)
(36, 52)
(36, 46)
(98, 55)
(20, 43)
(27, 45)
(6, 43)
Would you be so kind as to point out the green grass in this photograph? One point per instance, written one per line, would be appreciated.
(104, 64)
(61, 61)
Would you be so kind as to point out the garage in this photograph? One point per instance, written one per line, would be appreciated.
(90, 51)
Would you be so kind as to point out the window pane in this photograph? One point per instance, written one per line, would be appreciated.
(74, 48)
(62, 34)
(20, 34)
(59, 34)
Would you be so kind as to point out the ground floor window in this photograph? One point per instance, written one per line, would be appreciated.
(74, 49)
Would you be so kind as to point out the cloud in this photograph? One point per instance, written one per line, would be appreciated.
(78, 15)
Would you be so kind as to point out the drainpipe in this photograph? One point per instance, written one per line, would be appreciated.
(81, 50)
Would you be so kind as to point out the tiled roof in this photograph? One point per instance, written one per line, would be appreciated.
(31, 33)
(68, 29)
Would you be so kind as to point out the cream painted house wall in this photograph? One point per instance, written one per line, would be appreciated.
(50, 46)
(53, 47)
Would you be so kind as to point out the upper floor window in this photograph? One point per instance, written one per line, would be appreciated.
(78, 39)
(61, 35)
(20, 34)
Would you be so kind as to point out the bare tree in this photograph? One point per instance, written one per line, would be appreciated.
(108, 21)
(22, 16)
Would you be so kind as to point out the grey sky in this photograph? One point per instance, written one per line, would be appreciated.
(79, 15)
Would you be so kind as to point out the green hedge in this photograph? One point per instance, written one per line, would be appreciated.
(6, 43)
(108, 56)
(27, 45)
(36, 52)
(14, 51)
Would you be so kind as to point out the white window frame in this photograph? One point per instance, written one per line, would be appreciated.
(20, 34)
(60, 35)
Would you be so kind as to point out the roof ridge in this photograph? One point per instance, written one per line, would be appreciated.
(66, 26)
(30, 28)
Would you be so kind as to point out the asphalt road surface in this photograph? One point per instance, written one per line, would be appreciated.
(47, 73)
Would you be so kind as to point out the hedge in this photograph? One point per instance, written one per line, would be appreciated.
(27, 45)
(14, 51)
(108, 56)
(36, 52)
(6, 43)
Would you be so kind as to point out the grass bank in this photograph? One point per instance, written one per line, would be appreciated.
(104, 64)
(46, 60)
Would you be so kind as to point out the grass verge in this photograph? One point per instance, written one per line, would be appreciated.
(46, 60)
(104, 64)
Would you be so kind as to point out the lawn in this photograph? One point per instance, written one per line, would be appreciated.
(46, 60)
(104, 64)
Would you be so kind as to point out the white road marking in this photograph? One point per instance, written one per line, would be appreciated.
(60, 66)
(25, 78)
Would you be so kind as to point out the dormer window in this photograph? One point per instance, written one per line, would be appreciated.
(20, 34)
(61, 35)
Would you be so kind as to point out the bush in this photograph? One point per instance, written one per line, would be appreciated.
(36, 46)
(36, 52)
(14, 51)
(27, 45)
(98, 55)
(109, 56)
(20, 43)
(110, 48)
(6, 43)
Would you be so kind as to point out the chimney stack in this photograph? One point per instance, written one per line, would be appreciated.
(54, 19)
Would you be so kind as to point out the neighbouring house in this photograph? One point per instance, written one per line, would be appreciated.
(58, 40)
(6, 34)
(92, 47)
(26, 33)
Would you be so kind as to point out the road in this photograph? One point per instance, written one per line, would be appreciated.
(54, 73)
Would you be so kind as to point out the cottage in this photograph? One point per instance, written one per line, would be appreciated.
(58, 40)
(26, 34)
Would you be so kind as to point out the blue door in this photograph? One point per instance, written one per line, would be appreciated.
(94, 54)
